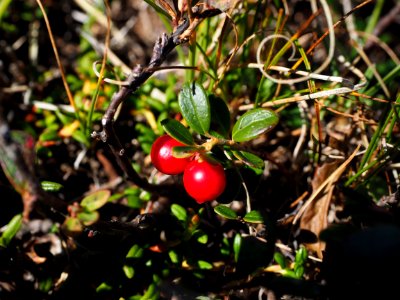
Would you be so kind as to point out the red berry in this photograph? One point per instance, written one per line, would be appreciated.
(203, 180)
(162, 159)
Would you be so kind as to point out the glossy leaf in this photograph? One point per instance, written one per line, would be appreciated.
(253, 123)
(179, 212)
(200, 236)
(280, 259)
(176, 130)
(11, 230)
(254, 217)
(95, 200)
(103, 287)
(195, 107)
(299, 271)
(237, 244)
(135, 252)
(50, 186)
(129, 271)
(226, 212)
(301, 255)
(204, 265)
(250, 159)
(220, 116)
(174, 257)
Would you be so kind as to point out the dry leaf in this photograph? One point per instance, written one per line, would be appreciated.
(315, 217)
(321, 192)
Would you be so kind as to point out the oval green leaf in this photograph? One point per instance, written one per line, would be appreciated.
(280, 259)
(204, 265)
(253, 123)
(129, 271)
(95, 200)
(50, 186)
(254, 217)
(135, 252)
(226, 212)
(179, 212)
(301, 255)
(237, 244)
(176, 130)
(11, 230)
(250, 159)
(195, 107)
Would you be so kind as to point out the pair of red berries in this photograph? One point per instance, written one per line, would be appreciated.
(203, 180)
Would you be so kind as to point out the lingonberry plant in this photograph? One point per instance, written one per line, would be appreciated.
(162, 158)
(212, 146)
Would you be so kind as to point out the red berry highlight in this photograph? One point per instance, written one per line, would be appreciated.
(203, 180)
(162, 159)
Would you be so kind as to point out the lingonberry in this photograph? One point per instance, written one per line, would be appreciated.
(204, 180)
(162, 158)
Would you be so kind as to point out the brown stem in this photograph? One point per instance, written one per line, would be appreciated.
(139, 75)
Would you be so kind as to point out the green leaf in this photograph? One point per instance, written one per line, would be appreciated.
(299, 271)
(226, 212)
(203, 239)
(280, 259)
(250, 159)
(237, 244)
(184, 151)
(195, 107)
(151, 293)
(254, 217)
(220, 115)
(80, 137)
(23, 144)
(200, 236)
(129, 271)
(174, 257)
(253, 123)
(179, 212)
(103, 287)
(72, 225)
(204, 265)
(49, 135)
(50, 186)
(176, 130)
(88, 217)
(135, 252)
(11, 230)
(301, 255)
(289, 273)
(95, 200)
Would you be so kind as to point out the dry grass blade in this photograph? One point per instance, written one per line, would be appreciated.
(53, 43)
